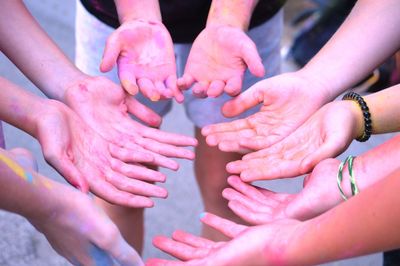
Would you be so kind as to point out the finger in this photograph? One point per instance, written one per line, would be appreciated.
(199, 89)
(137, 172)
(216, 88)
(98, 256)
(243, 101)
(146, 86)
(159, 160)
(283, 169)
(168, 137)
(185, 82)
(260, 142)
(127, 77)
(143, 112)
(191, 240)
(111, 53)
(232, 146)
(165, 149)
(162, 90)
(232, 136)
(236, 167)
(250, 191)
(249, 216)
(171, 83)
(178, 249)
(330, 149)
(226, 227)
(234, 86)
(161, 262)
(69, 171)
(135, 186)
(252, 58)
(111, 194)
(252, 205)
(236, 125)
(130, 155)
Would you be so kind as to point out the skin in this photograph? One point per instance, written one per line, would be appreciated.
(323, 135)
(320, 193)
(53, 73)
(302, 93)
(143, 50)
(75, 227)
(222, 52)
(373, 228)
(76, 151)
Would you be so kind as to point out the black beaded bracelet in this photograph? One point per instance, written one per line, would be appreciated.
(365, 110)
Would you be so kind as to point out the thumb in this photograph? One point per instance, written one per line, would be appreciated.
(252, 59)
(67, 169)
(111, 53)
(244, 101)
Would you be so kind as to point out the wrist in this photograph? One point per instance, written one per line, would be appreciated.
(356, 117)
(228, 13)
(147, 10)
(74, 78)
(319, 85)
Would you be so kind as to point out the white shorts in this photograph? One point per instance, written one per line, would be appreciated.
(91, 36)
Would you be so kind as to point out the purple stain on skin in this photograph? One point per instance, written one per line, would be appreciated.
(99, 256)
(158, 38)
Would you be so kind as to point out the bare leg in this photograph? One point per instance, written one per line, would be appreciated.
(211, 176)
(129, 222)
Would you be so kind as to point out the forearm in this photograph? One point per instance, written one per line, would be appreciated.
(365, 39)
(25, 43)
(365, 224)
(236, 13)
(138, 9)
(22, 192)
(18, 107)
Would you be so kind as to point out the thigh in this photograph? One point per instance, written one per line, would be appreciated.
(267, 38)
(90, 38)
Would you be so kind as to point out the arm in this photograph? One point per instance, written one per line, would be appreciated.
(232, 13)
(320, 192)
(59, 212)
(224, 47)
(290, 99)
(129, 10)
(365, 224)
(80, 155)
(32, 51)
(99, 102)
(366, 38)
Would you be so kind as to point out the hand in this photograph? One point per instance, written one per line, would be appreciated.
(326, 134)
(257, 205)
(79, 230)
(105, 107)
(258, 245)
(85, 159)
(146, 60)
(217, 62)
(288, 101)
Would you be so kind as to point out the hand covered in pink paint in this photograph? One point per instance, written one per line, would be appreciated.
(288, 100)
(257, 245)
(85, 159)
(145, 56)
(325, 134)
(217, 62)
(105, 107)
(257, 205)
(78, 229)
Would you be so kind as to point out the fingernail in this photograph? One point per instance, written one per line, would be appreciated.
(202, 215)
(155, 97)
